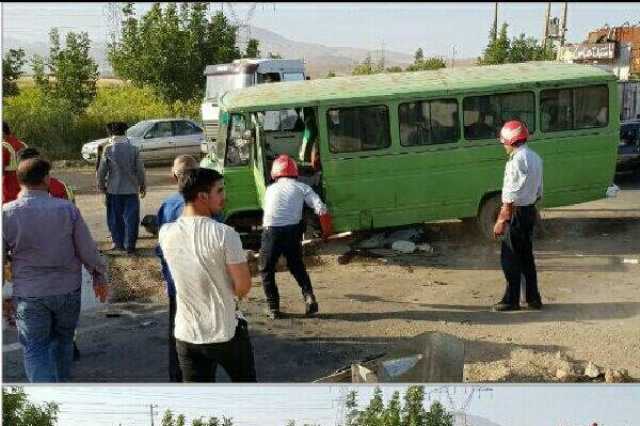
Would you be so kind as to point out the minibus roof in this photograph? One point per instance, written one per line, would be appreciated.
(379, 87)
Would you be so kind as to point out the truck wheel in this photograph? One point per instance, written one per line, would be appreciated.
(488, 214)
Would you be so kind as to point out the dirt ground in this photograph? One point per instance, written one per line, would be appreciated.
(587, 268)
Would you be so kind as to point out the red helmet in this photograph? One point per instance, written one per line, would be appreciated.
(514, 132)
(284, 166)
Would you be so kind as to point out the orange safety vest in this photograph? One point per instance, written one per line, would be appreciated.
(11, 146)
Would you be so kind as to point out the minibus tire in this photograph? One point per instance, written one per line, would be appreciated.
(488, 214)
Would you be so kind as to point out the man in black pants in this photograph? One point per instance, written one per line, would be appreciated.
(522, 188)
(282, 232)
(210, 273)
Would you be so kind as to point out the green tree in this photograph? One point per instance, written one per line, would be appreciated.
(180, 420)
(213, 421)
(351, 408)
(331, 74)
(419, 56)
(18, 411)
(68, 73)
(438, 416)
(524, 49)
(227, 421)
(198, 422)
(252, 49)
(168, 49)
(167, 419)
(394, 68)
(392, 415)
(432, 63)
(367, 67)
(413, 413)
(291, 422)
(373, 414)
(272, 55)
(497, 51)
(12, 64)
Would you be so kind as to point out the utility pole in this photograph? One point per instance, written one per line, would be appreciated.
(547, 16)
(495, 22)
(151, 413)
(563, 25)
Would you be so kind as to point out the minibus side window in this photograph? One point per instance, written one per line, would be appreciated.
(592, 107)
(573, 109)
(485, 115)
(428, 123)
(358, 129)
(556, 110)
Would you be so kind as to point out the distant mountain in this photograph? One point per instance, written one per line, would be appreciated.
(98, 51)
(319, 59)
(472, 421)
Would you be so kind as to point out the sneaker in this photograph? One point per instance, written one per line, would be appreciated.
(504, 307)
(310, 305)
(273, 314)
(535, 306)
(115, 247)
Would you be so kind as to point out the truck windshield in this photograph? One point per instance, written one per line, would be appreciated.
(220, 83)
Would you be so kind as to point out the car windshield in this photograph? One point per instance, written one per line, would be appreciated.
(220, 83)
(139, 129)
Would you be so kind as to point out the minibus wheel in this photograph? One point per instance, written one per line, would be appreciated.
(488, 215)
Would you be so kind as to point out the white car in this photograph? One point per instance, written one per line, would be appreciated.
(158, 140)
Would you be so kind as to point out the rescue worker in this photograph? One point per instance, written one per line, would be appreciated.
(11, 147)
(521, 189)
(282, 232)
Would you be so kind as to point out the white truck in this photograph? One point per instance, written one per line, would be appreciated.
(238, 74)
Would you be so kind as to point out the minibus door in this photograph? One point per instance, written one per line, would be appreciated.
(259, 162)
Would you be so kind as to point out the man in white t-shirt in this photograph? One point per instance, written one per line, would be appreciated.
(210, 272)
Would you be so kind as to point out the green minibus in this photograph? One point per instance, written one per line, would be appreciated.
(406, 148)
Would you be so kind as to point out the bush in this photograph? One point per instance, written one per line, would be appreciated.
(52, 126)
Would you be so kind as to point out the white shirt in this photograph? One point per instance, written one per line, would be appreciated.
(197, 250)
(522, 184)
(284, 200)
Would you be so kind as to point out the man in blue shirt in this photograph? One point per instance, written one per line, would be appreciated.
(170, 210)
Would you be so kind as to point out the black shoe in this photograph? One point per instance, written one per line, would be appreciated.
(131, 252)
(273, 314)
(76, 352)
(310, 305)
(115, 247)
(535, 306)
(504, 307)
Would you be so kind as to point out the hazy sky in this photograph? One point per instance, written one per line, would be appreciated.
(402, 27)
(273, 405)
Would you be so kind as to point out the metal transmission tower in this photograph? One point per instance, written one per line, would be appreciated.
(243, 24)
(468, 394)
(152, 412)
(112, 12)
(339, 404)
